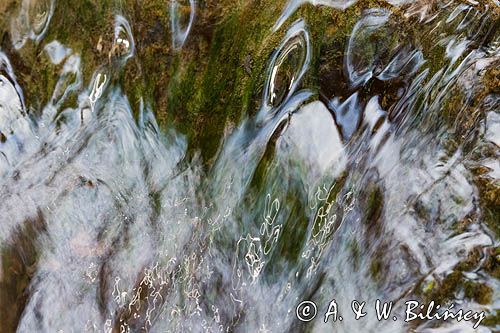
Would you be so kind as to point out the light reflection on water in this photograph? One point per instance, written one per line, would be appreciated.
(112, 227)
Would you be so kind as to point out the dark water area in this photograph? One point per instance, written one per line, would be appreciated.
(220, 166)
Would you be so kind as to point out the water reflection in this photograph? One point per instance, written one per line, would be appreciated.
(123, 42)
(32, 21)
(288, 65)
(113, 223)
(182, 16)
(375, 50)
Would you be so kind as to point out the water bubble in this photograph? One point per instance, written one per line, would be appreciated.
(123, 43)
(182, 16)
(367, 38)
(288, 65)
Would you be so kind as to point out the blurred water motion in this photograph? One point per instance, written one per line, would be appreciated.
(361, 162)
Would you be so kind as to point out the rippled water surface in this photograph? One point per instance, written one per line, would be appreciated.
(205, 166)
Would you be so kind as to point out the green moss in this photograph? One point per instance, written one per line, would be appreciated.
(472, 261)
(490, 202)
(355, 254)
(218, 76)
(373, 198)
(492, 320)
(479, 292)
(209, 83)
(492, 263)
(429, 287)
(376, 266)
(446, 289)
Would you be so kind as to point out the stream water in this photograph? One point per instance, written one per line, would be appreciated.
(111, 222)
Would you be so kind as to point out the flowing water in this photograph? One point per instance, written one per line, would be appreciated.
(367, 169)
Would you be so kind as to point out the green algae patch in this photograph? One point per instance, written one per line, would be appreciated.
(218, 76)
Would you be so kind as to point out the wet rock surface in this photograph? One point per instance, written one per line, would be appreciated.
(183, 165)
